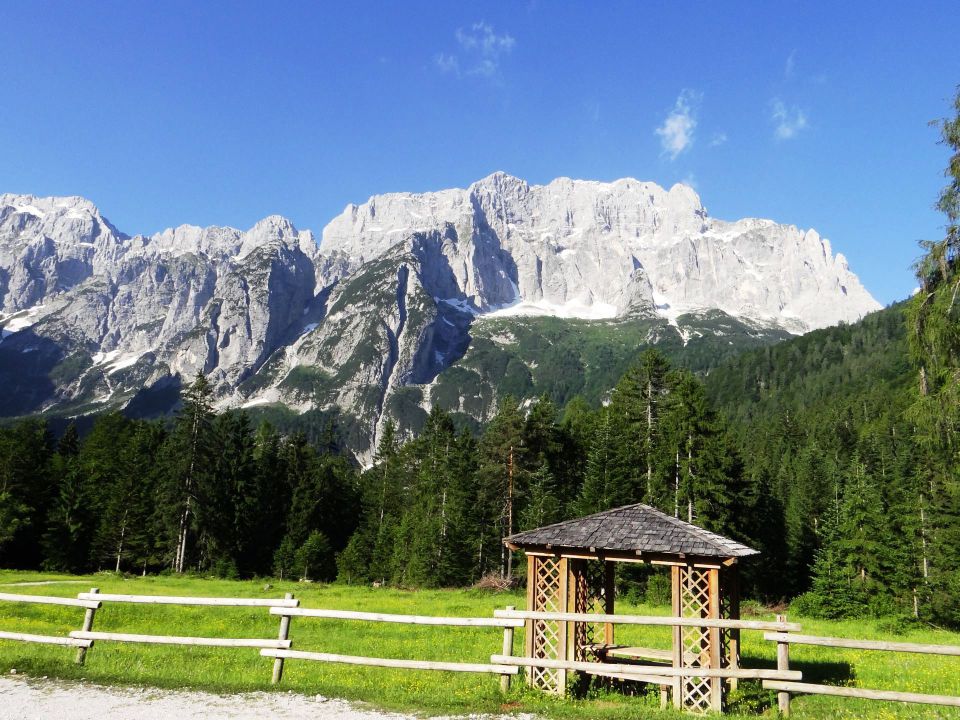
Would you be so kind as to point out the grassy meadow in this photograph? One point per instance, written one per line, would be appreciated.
(236, 669)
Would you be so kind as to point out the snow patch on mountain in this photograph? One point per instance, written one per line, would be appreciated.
(595, 250)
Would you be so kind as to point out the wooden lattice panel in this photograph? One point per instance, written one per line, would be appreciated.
(696, 693)
(588, 580)
(548, 635)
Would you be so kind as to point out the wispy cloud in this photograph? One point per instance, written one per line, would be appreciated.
(719, 138)
(676, 132)
(790, 65)
(788, 121)
(479, 53)
(447, 63)
(593, 110)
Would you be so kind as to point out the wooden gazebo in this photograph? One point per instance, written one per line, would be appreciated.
(570, 569)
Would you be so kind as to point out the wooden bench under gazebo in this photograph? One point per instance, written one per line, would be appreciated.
(570, 570)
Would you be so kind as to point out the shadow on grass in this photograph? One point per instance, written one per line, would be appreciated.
(815, 671)
(749, 698)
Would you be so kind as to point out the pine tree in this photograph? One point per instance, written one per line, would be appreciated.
(26, 491)
(188, 458)
(833, 594)
(369, 554)
(638, 402)
(502, 478)
(432, 540)
(863, 537)
(542, 507)
(602, 489)
(66, 539)
(934, 323)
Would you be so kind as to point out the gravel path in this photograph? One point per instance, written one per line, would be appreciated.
(24, 698)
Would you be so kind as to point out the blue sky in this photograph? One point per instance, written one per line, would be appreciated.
(814, 114)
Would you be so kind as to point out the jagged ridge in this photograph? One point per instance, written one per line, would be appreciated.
(90, 316)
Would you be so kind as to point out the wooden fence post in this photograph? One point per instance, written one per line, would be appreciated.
(507, 650)
(284, 634)
(87, 626)
(783, 663)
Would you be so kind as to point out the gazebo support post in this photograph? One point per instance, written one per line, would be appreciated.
(528, 626)
(609, 598)
(716, 645)
(677, 636)
(563, 643)
(730, 596)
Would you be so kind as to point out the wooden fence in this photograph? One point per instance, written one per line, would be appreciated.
(505, 670)
(783, 680)
(89, 606)
(280, 648)
(786, 688)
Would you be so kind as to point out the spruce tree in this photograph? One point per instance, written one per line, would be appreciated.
(188, 458)
(637, 404)
(934, 334)
(501, 483)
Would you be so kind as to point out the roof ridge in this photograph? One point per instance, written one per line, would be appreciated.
(578, 519)
(713, 538)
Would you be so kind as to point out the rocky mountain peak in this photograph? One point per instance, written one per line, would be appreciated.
(582, 248)
(376, 321)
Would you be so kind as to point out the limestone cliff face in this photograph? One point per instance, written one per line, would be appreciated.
(91, 317)
(601, 250)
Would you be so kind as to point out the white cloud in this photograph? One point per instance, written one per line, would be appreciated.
(788, 121)
(481, 49)
(791, 64)
(719, 138)
(447, 63)
(676, 133)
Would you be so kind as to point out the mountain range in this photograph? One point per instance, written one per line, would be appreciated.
(408, 301)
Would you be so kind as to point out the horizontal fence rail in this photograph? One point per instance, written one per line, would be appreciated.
(174, 640)
(879, 645)
(497, 669)
(786, 688)
(45, 639)
(172, 600)
(87, 602)
(404, 619)
(664, 620)
(658, 671)
(862, 693)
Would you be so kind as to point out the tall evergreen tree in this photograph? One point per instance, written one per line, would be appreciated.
(934, 320)
(501, 484)
(638, 402)
(189, 459)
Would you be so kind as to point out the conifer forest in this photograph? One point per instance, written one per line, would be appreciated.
(833, 453)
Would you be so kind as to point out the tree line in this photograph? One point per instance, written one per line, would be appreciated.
(211, 493)
(206, 492)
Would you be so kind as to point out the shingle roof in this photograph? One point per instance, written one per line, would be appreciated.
(633, 528)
